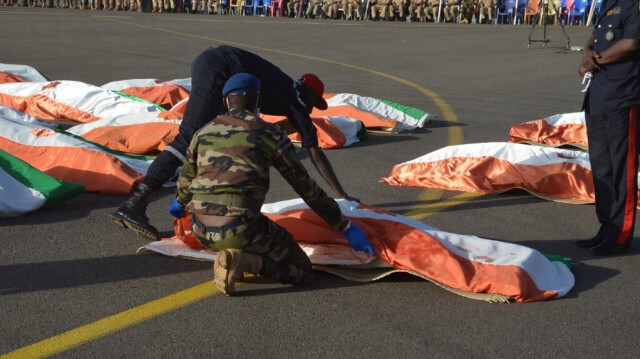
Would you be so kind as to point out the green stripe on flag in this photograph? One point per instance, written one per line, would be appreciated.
(555, 258)
(408, 110)
(103, 147)
(138, 99)
(53, 189)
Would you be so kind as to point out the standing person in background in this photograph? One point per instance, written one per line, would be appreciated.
(612, 57)
(281, 95)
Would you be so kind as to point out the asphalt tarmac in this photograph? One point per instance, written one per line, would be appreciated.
(72, 283)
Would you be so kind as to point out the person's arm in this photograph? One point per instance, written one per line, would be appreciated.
(321, 162)
(287, 163)
(293, 171)
(589, 58)
(298, 118)
(619, 51)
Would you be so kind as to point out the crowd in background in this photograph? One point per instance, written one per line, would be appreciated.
(571, 12)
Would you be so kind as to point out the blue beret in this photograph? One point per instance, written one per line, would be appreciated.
(242, 82)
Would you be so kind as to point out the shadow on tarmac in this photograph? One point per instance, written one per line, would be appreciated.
(32, 277)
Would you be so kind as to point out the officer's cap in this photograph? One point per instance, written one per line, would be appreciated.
(242, 83)
(316, 86)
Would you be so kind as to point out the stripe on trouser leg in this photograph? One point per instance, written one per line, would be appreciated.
(632, 171)
(175, 152)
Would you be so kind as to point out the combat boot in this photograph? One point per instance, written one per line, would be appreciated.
(131, 214)
(230, 266)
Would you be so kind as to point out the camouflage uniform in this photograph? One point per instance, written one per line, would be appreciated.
(226, 173)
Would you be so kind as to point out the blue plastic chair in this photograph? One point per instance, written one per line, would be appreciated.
(504, 9)
(596, 11)
(260, 7)
(520, 10)
(248, 7)
(578, 12)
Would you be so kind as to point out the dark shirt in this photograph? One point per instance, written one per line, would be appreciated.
(616, 85)
(281, 95)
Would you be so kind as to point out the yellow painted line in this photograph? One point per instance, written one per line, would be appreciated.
(430, 208)
(103, 327)
(113, 323)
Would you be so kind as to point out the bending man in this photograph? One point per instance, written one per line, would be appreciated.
(210, 70)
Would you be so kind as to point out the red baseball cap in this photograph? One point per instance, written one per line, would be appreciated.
(316, 86)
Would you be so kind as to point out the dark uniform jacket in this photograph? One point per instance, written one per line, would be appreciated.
(617, 85)
(281, 95)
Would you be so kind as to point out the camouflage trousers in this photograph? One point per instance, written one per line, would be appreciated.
(283, 258)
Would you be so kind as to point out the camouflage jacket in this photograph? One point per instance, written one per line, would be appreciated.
(226, 171)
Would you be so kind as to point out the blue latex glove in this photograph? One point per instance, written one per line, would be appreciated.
(175, 209)
(357, 239)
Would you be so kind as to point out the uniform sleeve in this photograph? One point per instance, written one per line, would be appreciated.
(286, 162)
(188, 173)
(632, 20)
(299, 117)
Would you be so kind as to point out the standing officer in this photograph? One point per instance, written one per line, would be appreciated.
(281, 95)
(612, 56)
(224, 182)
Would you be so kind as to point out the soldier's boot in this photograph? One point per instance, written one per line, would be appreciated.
(230, 266)
(131, 214)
